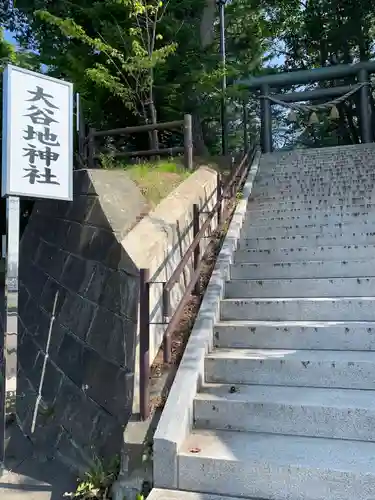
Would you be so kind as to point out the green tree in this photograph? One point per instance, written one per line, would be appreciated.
(126, 58)
(135, 60)
(322, 33)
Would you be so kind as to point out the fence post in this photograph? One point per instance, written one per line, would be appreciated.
(197, 249)
(166, 311)
(218, 198)
(144, 343)
(188, 142)
(91, 147)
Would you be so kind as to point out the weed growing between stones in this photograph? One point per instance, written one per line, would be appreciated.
(97, 482)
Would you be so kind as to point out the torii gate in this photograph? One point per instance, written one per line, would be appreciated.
(267, 83)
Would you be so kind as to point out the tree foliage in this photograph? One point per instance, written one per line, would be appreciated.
(134, 61)
(142, 60)
(325, 33)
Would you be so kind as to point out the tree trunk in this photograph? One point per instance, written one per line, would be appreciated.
(152, 109)
(352, 127)
(207, 24)
(146, 121)
(344, 131)
(200, 148)
(155, 135)
(207, 36)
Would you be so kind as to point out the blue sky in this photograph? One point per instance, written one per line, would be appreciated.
(8, 36)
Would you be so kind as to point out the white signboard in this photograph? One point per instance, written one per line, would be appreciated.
(37, 135)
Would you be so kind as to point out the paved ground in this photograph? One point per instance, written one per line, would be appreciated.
(30, 475)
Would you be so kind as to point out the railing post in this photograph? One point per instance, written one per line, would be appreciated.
(245, 133)
(233, 174)
(218, 198)
(197, 249)
(188, 142)
(91, 147)
(166, 311)
(144, 343)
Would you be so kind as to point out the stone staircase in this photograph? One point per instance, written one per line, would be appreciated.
(287, 408)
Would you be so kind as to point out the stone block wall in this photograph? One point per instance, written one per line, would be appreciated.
(74, 250)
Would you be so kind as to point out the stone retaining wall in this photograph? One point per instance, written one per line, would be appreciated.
(74, 249)
(160, 241)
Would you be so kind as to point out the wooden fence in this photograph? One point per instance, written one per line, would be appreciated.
(89, 154)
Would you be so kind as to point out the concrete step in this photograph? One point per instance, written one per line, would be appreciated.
(291, 180)
(340, 191)
(326, 175)
(250, 230)
(363, 171)
(314, 173)
(317, 218)
(280, 208)
(333, 238)
(299, 309)
(303, 209)
(289, 201)
(277, 467)
(333, 252)
(300, 287)
(303, 269)
(297, 368)
(301, 411)
(309, 182)
(161, 494)
(313, 186)
(327, 335)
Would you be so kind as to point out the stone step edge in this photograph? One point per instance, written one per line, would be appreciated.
(228, 441)
(285, 280)
(306, 263)
(297, 323)
(293, 237)
(299, 299)
(303, 248)
(164, 494)
(223, 392)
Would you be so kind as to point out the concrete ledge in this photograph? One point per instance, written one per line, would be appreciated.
(158, 494)
(177, 418)
(159, 242)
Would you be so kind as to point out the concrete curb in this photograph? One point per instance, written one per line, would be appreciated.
(176, 421)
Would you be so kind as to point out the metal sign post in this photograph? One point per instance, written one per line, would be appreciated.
(37, 162)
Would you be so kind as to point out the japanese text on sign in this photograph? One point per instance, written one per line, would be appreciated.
(45, 139)
(37, 154)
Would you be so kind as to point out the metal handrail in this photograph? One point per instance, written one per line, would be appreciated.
(169, 319)
(226, 190)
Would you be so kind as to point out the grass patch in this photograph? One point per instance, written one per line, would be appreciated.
(155, 179)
